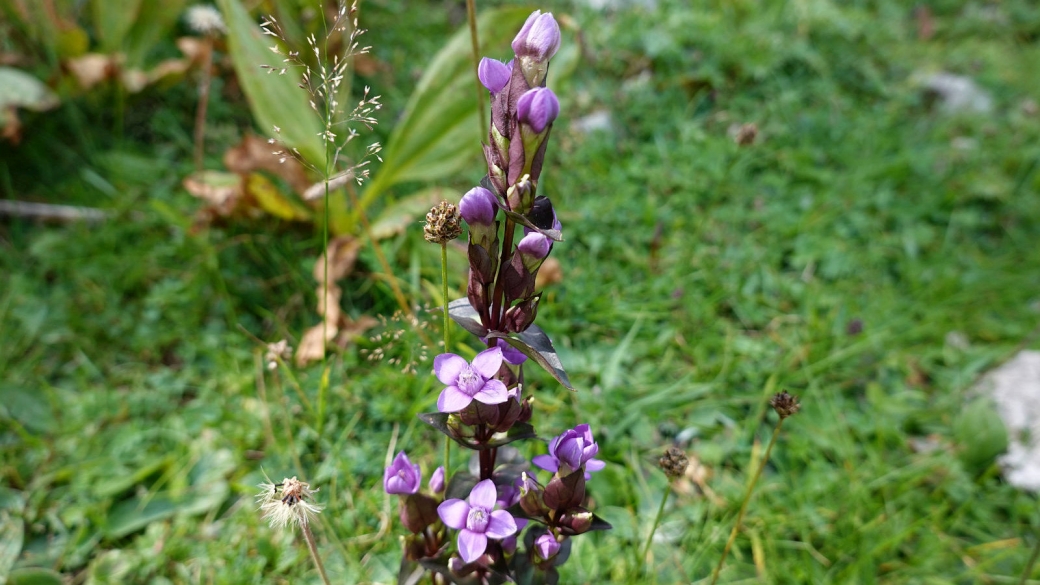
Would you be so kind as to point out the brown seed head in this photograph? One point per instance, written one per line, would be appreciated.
(443, 223)
(746, 134)
(673, 462)
(785, 404)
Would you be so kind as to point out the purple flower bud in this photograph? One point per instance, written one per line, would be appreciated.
(539, 38)
(535, 246)
(477, 520)
(402, 477)
(493, 74)
(478, 207)
(436, 484)
(538, 108)
(570, 451)
(546, 546)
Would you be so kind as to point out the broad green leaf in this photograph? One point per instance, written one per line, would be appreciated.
(113, 20)
(275, 100)
(439, 133)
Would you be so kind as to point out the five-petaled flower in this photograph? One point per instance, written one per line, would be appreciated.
(468, 382)
(477, 520)
(402, 477)
(570, 451)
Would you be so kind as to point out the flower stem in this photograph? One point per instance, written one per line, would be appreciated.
(447, 338)
(1031, 563)
(200, 111)
(657, 520)
(497, 299)
(471, 16)
(309, 537)
(744, 504)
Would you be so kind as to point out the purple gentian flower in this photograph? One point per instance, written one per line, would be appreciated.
(477, 520)
(512, 355)
(468, 382)
(478, 207)
(539, 38)
(570, 451)
(436, 484)
(493, 74)
(546, 546)
(402, 477)
(538, 108)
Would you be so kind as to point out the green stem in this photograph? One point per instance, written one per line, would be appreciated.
(471, 16)
(447, 337)
(311, 546)
(657, 520)
(1031, 563)
(744, 504)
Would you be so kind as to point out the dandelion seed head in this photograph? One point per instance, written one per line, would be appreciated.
(287, 503)
(205, 19)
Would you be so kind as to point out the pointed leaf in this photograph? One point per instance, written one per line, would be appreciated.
(466, 316)
(274, 99)
(535, 344)
(554, 235)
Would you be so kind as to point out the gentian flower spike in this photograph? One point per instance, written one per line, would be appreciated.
(570, 451)
(469, 382)
(539, 38)
(538, 108)
(402, 477)
(493, 74)
(477, 520)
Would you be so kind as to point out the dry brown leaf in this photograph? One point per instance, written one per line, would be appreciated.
(313, 343)
(551, 272)
(352, 330)
(12, 126)
(193, 48)
(221, 190)
(134, 80)
(255, 154)
(343, 252)
(92, 68)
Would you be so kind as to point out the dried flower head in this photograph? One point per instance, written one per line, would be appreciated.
(674, 462)
(746, 134)
(287, 502)
(443, 223)
(785, 404)
(205, 19)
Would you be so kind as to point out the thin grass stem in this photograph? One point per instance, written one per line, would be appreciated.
(1031, 563)
(200, 111)
(657, 520)
(471, 16)
(744, 504)
(447, 337)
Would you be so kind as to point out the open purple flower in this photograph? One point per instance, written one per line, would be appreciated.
(570, 451)
(402, 477)
(468, 382)
(538, 108)
(477, 520)
(493, 74)
(539, 38)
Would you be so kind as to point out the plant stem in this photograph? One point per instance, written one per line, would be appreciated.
(471, 16)
(309, 537)
(1031, 563)
(447, 337)
(497, 299)
(657, 520)
(200, 111)
(744, 504)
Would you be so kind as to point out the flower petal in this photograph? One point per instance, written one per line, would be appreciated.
(452, 400)
(502, 525)
(546, 462)
(488, 362)
(493, 392)
(447, 367)
(471, 545)
(453, 513)
(595, 465)
(483, 495)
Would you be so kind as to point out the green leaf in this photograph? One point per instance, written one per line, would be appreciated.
(270, 198)
(34, 576)
(439, 133)
(12, 536)
(152, 26)
(275, 100)
(113, 20)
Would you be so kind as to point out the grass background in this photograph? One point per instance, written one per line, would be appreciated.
(833, 258)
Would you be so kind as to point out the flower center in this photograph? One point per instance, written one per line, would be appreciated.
(469, 381)
(478, 519)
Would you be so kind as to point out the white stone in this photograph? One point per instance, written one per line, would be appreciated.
(1015, 388)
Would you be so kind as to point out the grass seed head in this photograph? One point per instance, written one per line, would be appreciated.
(785, 404)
